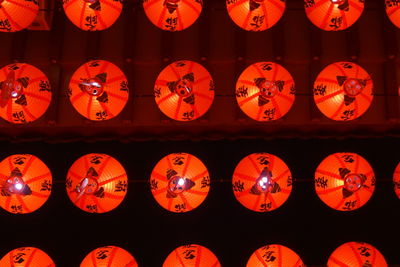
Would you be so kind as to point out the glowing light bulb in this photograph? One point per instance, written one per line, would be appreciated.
(18, 186)
(181, 181)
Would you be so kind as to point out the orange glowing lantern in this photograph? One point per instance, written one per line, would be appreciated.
(274, 256)
(256, 15)
(98, 90)
(25, 183)
(262, 182)
(199, 256)
(184, 90)
(343, 91)
(180, 182)
(392, 10)
(265, 91)
(92, 15)
(173, 15)
(26, 256)
(16, 15)
(356, 254)
(109, 256)
(396, 180)
(334, 15)
(96, 183)
(25, 93)
(344, 181)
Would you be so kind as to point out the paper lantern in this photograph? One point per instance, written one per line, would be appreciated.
(109, 256)
(98, 90)
(274, 256)
(180, 182)
(25, 93)
(396, 180)
(356, 254)
(16, 15)
(184, 90)
(262, 182)
(96, 183)
(256, 15)
(191, 255)
(392, 10)
(334, 15)
(343, 91)
(265, 91)
(25, 183)
(344, 181)
(93, 15)
(173, 15)
(26, 256)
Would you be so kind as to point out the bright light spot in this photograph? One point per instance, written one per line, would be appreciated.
(95, 84)
(18, 186)
(181, 181)
(14, 94)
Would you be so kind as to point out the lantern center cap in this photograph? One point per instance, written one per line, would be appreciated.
(93, 86)
(177, 184)
(263, 183)
(17, 88)
(338, 2)
(268, 89)
(88, 186)
(352, 87)
(184, 88)
(353, 182)
(15, 185)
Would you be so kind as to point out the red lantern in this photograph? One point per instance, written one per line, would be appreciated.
(92, 15)
(396, 180)
(184, 90)
(199, 256)
(25, 93)
(98, 90)
(256, 15)
(344, 181)
(96, 183)
(282, 255)
(265, 91)
(392, 10)
(180, 182)
(25, 183)
(26, 256)
(17, 15)
(356, 254)
(343, 91)
(109, 256)
(173, 15)
(262, 182)
(334, 15)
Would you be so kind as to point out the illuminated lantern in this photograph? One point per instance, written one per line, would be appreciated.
(256, 15)
(199, 256)
(26, 256)
(282, 256)
(344, 181)
(16, 15)
(265, 91)
(25, 183)
(392, 10)
(334, 15)
(184, 90)
(96, 183)
(262, 182)
(25, 93)
(109, 256)
(356, 254)
(343, 91)
(396, 180)
(92, 15)
(98, 90)
(180, 182)
(173, 15)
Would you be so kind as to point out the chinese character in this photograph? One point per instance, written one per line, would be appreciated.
(347, 114)
(238, 186)
(96, 159)
(123, 86)
(242, 91)
(101, 115)
(44, 86)
(121, 186)
(348, 158)
(269, 114)
(320, 90)
(321, 182)
(153, 184)
(91, 22)
(336, 23)
(46, 186)
(188, 115)
(178, 160)
(205, 182)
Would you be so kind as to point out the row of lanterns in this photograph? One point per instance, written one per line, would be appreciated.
(180, 182)
(184, 91)
(177, 15)
(354, 254)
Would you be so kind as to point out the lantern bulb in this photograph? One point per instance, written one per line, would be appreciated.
(181, 181)
(18, 186)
